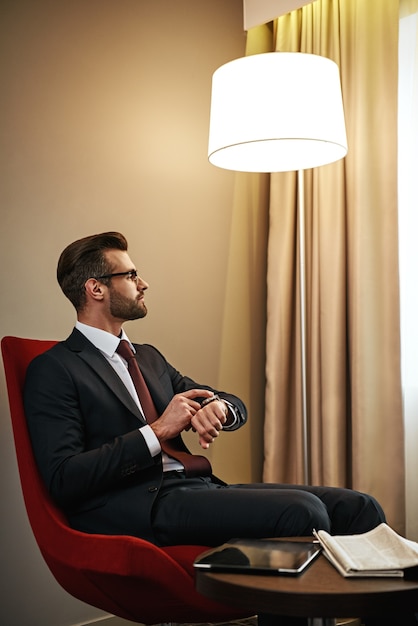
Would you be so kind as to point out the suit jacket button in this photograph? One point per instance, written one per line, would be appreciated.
(152, 489)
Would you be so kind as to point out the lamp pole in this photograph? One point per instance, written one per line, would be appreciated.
(302, 287)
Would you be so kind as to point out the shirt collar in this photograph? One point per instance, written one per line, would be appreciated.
(101, 339)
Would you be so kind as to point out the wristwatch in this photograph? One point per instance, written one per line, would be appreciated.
(211, 399)
(228, 406)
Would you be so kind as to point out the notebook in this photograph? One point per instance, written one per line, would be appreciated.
(260, 556)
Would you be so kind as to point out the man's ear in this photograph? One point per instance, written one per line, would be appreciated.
(94, 289)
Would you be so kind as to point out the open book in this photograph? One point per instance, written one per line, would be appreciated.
(379, 552)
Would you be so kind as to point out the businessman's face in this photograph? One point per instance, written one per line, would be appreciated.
(126, 291)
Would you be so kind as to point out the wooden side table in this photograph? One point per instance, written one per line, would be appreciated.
(320, 593)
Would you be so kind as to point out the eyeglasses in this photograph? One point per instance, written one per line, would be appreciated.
(131, 275)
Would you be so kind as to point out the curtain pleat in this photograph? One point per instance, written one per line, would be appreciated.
(244, 318)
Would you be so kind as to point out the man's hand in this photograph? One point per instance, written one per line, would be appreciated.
(179, 414)
(208, 421)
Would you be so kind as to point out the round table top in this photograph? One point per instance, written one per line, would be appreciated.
(320, 591)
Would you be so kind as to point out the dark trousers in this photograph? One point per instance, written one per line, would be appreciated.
(199, 511)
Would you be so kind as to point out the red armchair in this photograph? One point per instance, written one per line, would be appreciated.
(122, 575)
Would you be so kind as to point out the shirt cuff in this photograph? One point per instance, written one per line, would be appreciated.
(150, 439)
(232, 414)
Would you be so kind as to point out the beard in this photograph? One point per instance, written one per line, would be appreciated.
(125, 308)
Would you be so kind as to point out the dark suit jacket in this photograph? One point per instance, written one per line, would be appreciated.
(84, 425)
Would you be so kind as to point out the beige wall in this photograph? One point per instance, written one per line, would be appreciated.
(105, 119)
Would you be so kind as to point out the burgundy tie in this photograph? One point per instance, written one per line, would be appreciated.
(194, 464)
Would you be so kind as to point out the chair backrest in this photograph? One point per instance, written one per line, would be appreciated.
(17, 354)
(126, 576)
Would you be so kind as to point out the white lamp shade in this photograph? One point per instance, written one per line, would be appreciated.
(276, 112)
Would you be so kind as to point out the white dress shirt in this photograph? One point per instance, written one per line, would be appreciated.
(107, 344)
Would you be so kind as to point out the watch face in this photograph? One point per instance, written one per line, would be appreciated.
(209, 400)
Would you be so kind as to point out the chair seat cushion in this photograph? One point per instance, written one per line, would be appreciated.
(185, 555)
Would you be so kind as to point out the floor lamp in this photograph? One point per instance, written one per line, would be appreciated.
(279, 112)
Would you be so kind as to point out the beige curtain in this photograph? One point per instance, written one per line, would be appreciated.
(353, 364)
(242, 366)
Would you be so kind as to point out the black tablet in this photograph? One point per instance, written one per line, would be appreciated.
(260, 556)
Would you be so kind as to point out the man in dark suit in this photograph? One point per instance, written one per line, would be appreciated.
(114, 469)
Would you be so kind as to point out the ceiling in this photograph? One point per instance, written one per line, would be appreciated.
(258, 12)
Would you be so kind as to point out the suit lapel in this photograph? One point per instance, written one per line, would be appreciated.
(86, 351)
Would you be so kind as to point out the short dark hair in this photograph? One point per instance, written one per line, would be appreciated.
(84, 259)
